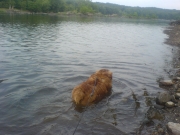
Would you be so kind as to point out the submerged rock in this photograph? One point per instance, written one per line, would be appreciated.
(162, 98)
(153, 113)
(158, 106)
(166, 83)
(169, 104)
(174, 128)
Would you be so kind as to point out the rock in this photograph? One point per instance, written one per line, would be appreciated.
(155, 133)
(174, 128)
(173, 99)
(162, 98)
(124, 100)
(178, 91)
(169, 104)
(166, 83)
(158, 106)
(176, 78)
(153, 113)
(178, 103)
(177, 95)
(176, 86)
(160, 131)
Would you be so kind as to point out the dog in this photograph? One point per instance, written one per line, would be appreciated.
(94, 89)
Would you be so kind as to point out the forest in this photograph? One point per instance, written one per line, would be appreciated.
(89, 7)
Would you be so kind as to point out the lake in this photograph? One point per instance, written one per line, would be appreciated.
(43, 57)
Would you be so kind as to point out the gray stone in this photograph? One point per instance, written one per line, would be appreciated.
(166, 83)
(158, 106)
(169, 104)
(177, 95)
(162, 98)
(174, 128)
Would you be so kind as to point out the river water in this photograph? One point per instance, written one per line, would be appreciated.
(43, 57)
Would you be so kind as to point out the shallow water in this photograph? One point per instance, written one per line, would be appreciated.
(44, 57)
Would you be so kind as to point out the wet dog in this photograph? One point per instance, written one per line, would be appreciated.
(94, 89)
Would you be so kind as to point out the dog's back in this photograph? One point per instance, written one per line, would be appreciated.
(94, 89)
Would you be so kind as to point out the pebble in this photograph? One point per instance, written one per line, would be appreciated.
(124, 100)
(155, 133)
(178, 103)
(174, 128)
(169, 104)
(176, 86)
(166, 83)
(160, 131)
(178, 91)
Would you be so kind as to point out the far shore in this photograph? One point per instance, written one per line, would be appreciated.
(67, 14)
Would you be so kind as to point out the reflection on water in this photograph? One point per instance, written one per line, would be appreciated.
(43, 57)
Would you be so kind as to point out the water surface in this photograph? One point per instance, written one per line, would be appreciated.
(44, 57)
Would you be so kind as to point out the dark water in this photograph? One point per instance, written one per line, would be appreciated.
(44, 57)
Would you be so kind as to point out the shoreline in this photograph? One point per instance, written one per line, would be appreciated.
(68, 14)
(163, 116)
(173, 32)
(65, 14)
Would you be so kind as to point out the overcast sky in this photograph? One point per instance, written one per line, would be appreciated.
(167, 4)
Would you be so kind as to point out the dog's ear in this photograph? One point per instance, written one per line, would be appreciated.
(108, 74)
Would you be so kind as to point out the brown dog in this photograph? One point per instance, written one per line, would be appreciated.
(94, 89)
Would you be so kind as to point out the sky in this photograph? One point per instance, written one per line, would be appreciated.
(166, 4)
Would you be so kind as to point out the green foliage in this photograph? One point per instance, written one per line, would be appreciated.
(86, 6)
(85, 10)
(57, 5)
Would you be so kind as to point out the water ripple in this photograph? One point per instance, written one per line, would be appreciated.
(43, 57)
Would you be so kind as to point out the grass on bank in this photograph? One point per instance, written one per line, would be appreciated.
(3, 10)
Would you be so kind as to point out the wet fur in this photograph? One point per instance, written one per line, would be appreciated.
(100, 82)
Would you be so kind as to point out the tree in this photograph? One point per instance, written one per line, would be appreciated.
(57, 5)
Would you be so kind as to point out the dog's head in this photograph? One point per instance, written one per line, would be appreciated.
(105, 72)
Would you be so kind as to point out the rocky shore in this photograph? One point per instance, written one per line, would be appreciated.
(163, 115)
(174, 33)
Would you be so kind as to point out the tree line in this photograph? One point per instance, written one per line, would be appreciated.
(86, 6)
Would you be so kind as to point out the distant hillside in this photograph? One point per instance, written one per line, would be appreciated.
(86, 7)
(138, 12)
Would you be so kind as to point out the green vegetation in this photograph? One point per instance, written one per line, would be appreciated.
(88, 7)
(2, 10)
